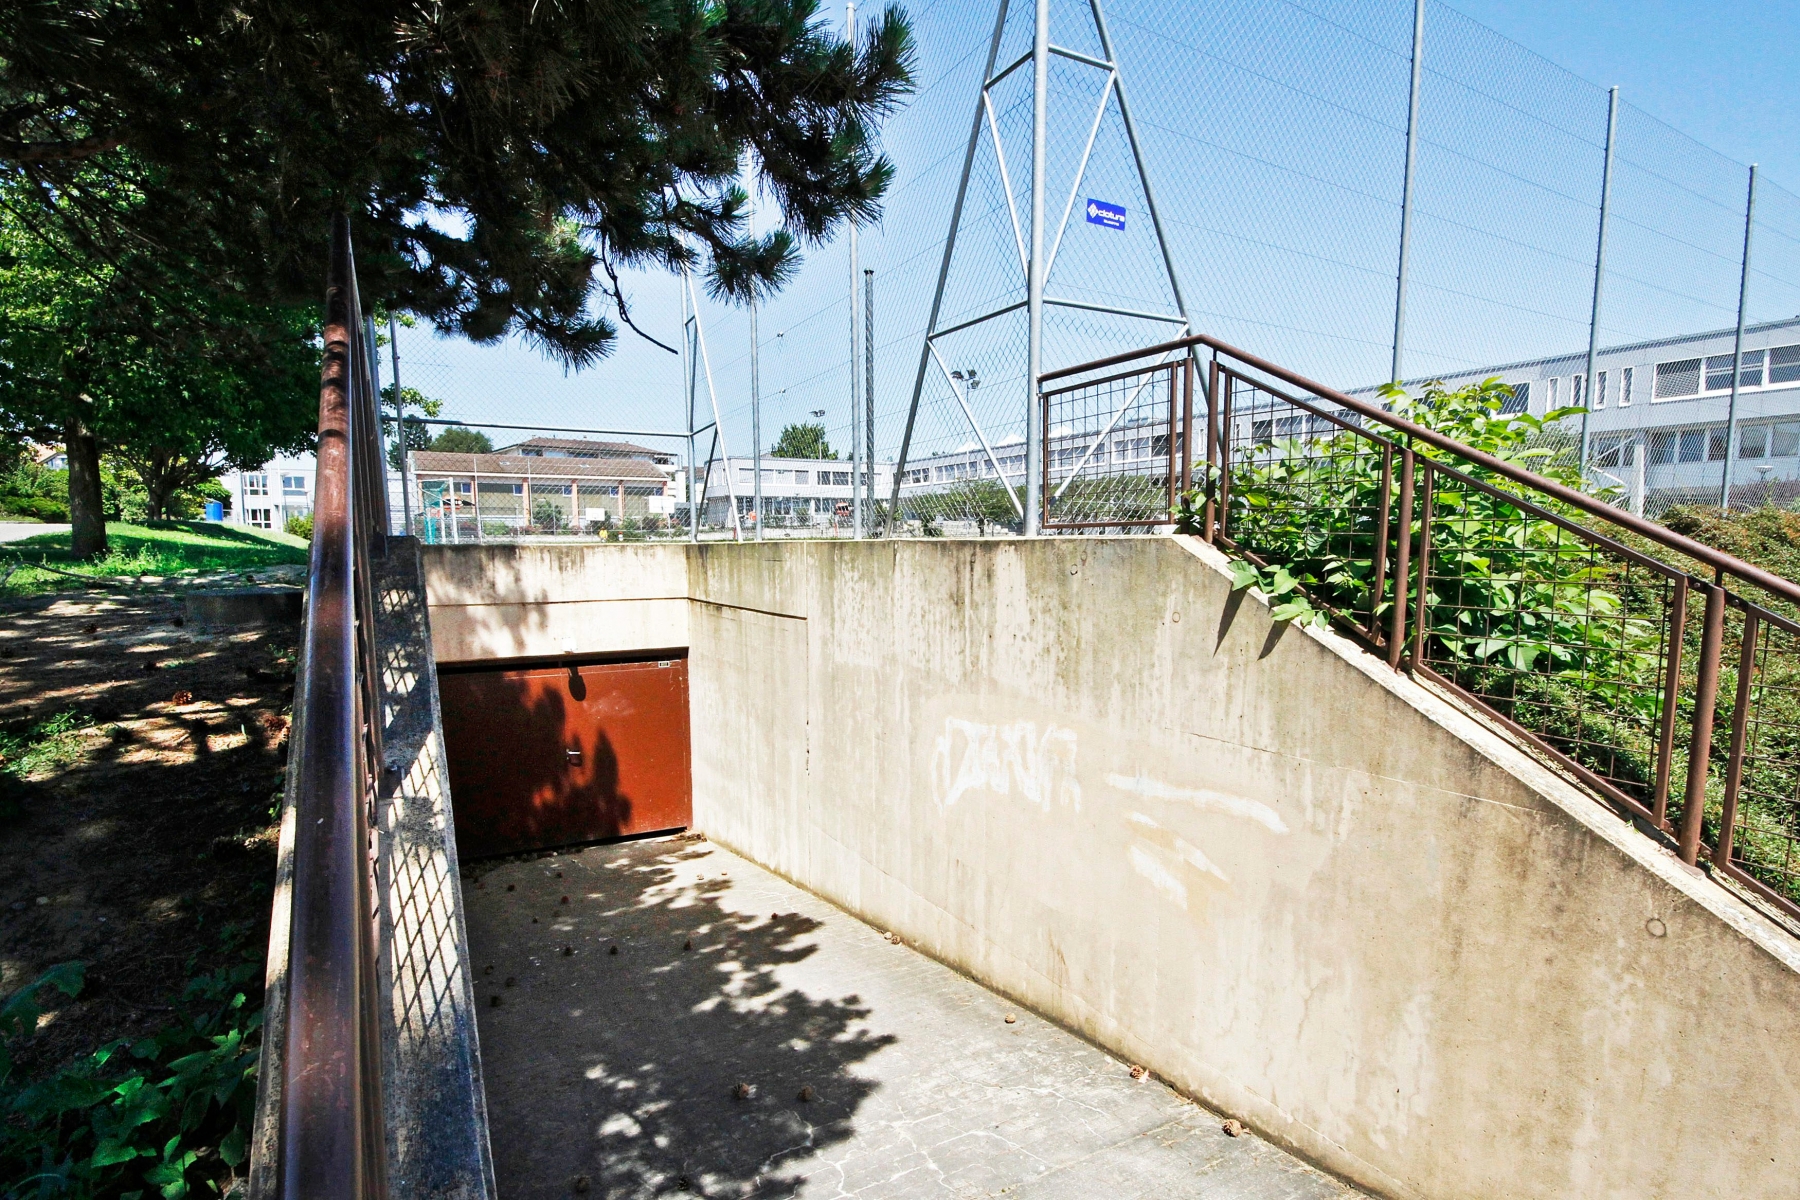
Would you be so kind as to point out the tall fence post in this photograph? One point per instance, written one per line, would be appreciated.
(869, 392)
(1589, 398)
(1034, 274)
(1406, 187)
(1737, 345)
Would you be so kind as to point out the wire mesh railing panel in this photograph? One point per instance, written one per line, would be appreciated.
(1566, 636)
(1756, 824)
(1113, 450)
(1300, 485)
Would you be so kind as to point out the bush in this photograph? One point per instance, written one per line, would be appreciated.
(169, 1113)
(28, 490)
(300, 526)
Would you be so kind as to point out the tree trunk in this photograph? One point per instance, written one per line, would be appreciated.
(87, 513)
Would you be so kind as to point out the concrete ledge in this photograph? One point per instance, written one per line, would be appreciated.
(214, 608)
(1308, 891)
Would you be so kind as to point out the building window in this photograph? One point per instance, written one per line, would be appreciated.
(1784, 440)
(1519, 401)
(1753, 441)
(293, 485)
(1600, 390)
(256, 485)
(1718, 371)
(1576, 389)
(799, 477)
(262, 518)
(1677, 380)
(1625, 387)
(1784, 364)
(1615, 451)
(1552, 394)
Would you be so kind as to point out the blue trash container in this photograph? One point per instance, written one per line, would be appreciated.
(215, 510)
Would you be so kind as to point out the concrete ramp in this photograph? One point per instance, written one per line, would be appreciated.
(1301, 888)
(656, 1035)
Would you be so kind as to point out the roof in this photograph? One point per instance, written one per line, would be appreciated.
(519, 466)
(585, 446)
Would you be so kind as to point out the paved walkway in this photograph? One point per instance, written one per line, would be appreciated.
(18, 531)
(633, 1018)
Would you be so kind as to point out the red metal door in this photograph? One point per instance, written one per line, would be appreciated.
(553, 755)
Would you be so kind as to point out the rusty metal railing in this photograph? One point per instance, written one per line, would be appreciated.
(331, 1140)
(1662, 673)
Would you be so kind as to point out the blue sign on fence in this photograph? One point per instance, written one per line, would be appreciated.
(1099, 212)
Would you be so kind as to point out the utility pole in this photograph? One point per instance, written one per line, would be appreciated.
(869, 390)
(1589, 398)
(1406, 187)
(400, 424)
(1737, 346)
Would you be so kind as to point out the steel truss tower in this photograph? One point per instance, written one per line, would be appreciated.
(1034, 264)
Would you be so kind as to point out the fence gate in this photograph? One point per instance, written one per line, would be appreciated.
(1116, 448)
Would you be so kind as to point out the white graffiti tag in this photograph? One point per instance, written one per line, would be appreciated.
(996, 758)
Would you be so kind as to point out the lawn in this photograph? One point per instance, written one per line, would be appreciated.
(162, 549)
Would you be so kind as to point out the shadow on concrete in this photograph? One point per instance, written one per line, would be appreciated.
(632, 1068)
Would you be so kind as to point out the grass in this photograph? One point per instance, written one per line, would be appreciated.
(161, 548)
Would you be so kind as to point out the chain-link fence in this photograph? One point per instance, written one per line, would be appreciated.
(1273, 135)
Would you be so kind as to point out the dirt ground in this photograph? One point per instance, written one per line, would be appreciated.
(149, 852)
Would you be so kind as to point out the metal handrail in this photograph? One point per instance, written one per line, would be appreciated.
(1410, 481)
(1717, 559)
(331, 1141)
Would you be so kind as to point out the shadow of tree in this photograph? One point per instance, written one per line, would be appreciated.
(627, 1061)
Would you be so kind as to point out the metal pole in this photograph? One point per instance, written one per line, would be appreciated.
(687, 382)
(400, 424)
(869, 388)
(756, 419)
(856, 438)
(1406, 187)
(1737, 345)
(1588, 398)
(1034, 281)
(937, 296)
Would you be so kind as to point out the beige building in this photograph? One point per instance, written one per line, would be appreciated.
(543, 486)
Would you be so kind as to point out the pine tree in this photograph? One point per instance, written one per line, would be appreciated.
(501, 160)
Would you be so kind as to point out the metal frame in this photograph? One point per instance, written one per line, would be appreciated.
(1034, 263)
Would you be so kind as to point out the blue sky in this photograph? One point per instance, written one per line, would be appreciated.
(1725, 74)
(1274, 134)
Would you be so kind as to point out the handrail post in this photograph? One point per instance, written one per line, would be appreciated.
(1706, 694)
(1402, 561)
(1665, 737)
(1207, 523)
(1740, 723)
(1422, 590)
(1378, 583)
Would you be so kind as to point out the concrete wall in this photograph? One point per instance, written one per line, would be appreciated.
(1296, 885)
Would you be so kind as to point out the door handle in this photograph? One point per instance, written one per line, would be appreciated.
(573, 755)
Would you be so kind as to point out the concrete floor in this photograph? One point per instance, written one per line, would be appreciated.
(618, 1074)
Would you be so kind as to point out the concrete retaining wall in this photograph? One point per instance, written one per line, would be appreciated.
(1295, 884)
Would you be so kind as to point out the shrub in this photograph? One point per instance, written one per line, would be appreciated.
(169, 1113)
(300, 525)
